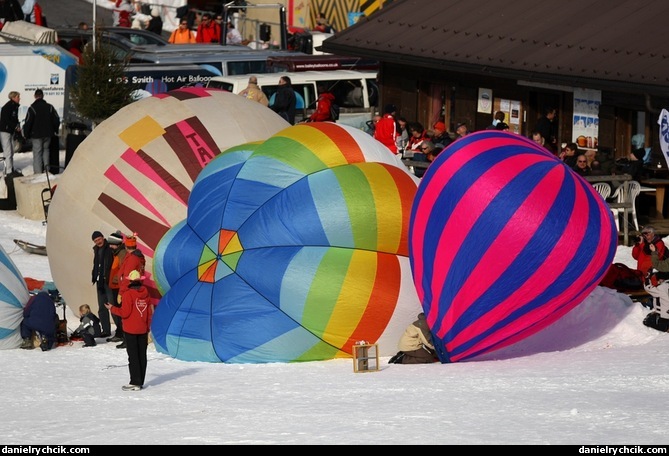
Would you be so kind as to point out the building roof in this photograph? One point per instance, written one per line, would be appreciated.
(605, 44)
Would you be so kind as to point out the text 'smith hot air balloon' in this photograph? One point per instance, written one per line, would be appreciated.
(294, 249)
(504, 240)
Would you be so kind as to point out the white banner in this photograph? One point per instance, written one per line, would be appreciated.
(663, 122)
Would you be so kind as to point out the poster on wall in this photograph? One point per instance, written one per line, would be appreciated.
(485, 101)
(512, 110)
(586, 117)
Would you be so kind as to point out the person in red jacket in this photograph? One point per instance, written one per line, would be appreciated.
(385, 130)
(132, 261)
(134, 311)
(208, 31)
(641, 250)
(323, 104)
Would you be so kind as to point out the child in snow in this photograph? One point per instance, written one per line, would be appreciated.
(89, 327)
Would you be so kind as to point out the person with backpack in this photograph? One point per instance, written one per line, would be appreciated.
(323, 112)
(135, 311)
(41, 124)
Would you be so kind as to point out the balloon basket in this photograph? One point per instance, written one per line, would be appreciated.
(365, 357)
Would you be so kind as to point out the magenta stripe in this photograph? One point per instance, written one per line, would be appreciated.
(464, 216)
(522, 225)
(425, 206)
(554, 265)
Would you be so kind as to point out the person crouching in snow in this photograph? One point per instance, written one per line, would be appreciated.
(39, 315)
(415, 345)
(89, 326)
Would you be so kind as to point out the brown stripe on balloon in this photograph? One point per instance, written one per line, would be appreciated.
(192, 143)
(150, 231)
(172, 182)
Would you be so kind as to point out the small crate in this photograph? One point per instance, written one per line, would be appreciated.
(365, 358)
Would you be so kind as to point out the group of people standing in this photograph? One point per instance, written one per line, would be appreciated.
(41, 126)
(209, 30)
(410, 139)
(284, 101)
(129, 13)
(118, 274)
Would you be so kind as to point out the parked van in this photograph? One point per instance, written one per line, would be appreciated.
(356, 92)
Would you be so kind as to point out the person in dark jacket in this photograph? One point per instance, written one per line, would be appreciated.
(41, 124)
(10, 10)
(155, 24)
(547, 126)
(136, 313)
(39, 315)
(9, 125)
(103, 258)
(285, 100)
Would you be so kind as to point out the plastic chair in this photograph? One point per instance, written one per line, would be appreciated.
(603, 189)
(627, 192)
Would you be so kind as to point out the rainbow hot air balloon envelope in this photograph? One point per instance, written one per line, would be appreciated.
(294, 249)
(504, 240)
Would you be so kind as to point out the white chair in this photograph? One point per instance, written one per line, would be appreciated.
(603, 189)
(627, 192)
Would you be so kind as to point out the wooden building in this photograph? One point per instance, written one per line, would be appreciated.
(603, 64)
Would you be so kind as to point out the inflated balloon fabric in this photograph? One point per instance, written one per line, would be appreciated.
(504, 240)
(134, 173)
(294, 249)
(13, 297)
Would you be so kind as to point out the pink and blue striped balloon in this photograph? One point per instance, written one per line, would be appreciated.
(504, 240)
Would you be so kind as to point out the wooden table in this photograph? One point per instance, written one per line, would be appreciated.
(609, 178)
(660, 189)
(416, 164)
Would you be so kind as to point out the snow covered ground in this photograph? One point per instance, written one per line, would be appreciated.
(596, 377)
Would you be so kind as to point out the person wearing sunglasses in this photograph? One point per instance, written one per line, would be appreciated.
(208, 31)
(182, 34)
(426, 154)
(581, 168)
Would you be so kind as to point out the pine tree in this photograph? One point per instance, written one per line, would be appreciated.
(101, 86)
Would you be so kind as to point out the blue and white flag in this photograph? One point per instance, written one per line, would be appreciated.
(663, 122)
